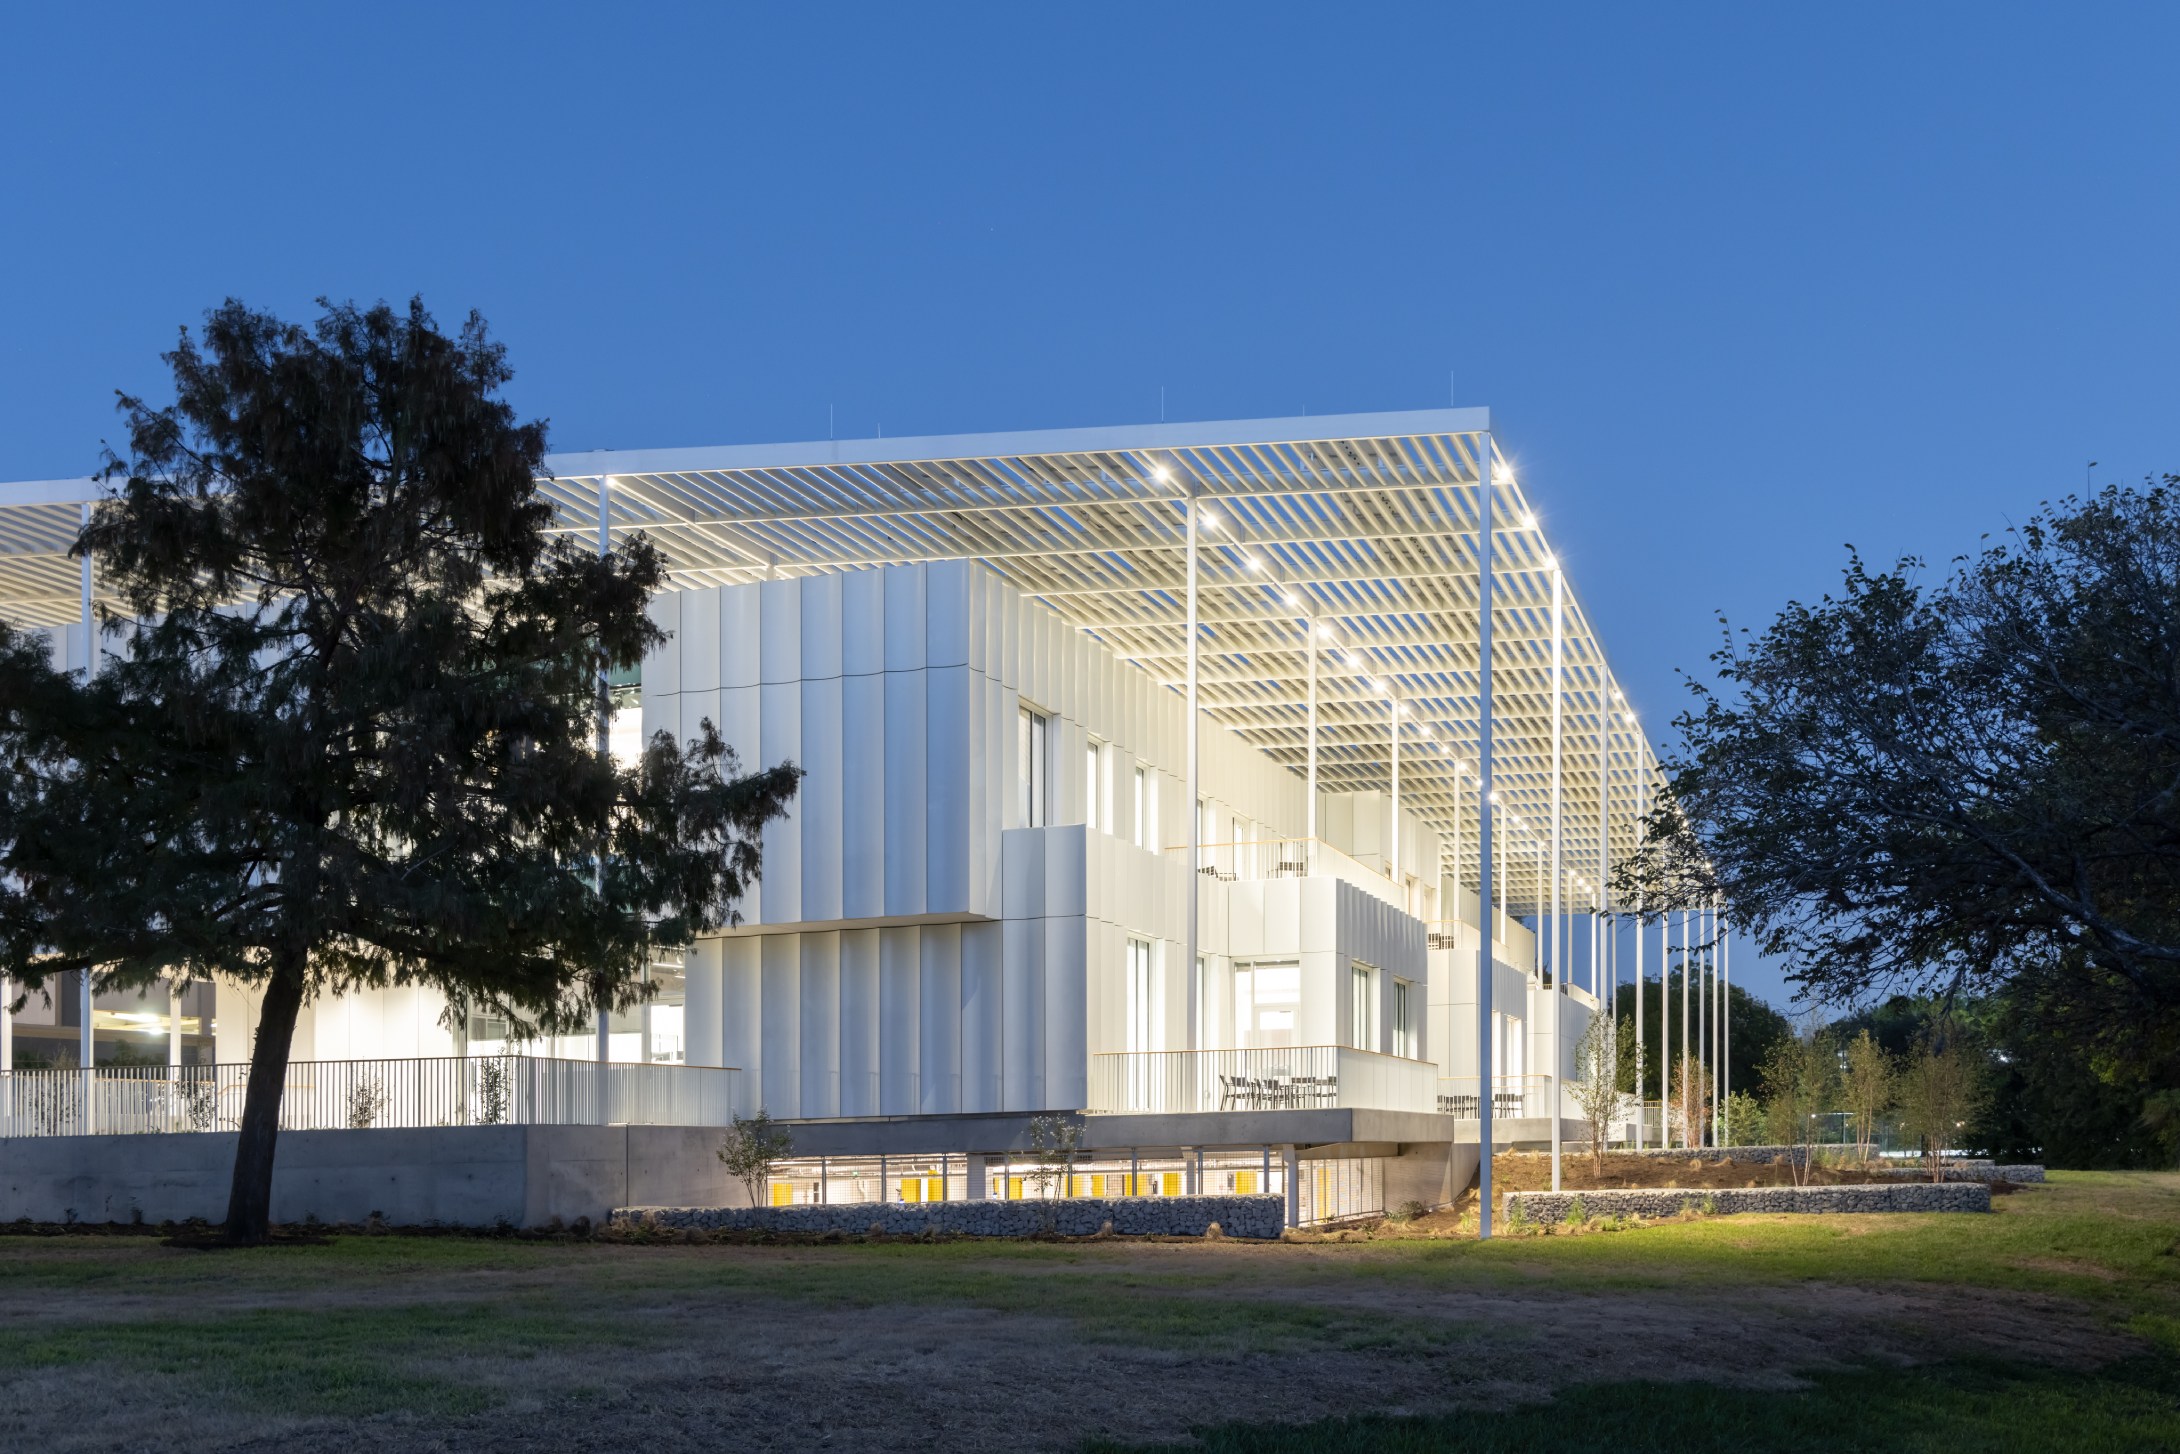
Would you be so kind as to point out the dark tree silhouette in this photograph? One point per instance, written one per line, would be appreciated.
(345, 733)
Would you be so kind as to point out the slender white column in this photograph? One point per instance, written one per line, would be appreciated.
(1392, 708)
(1687, 1043)
(605, 745)
(174, 1023)
(1664, 1027)
(1195, 811)
(1559, 963)
(87, 1050)
(1640, 987)
(1725, 1015)
(1605, 709)
(1718, 1071)
(1309, 634)
(1483, 827)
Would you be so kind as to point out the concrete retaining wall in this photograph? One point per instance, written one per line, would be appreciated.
(476, 1176)
(1958, 1196)
(1237, 1216)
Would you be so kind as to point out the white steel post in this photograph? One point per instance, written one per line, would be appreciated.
(1605, 695)
(174, 1024)
(1640, 988)
(1687, 1130)
(1559, 963)
(1392, 709)
(1483, 827)
(605, 745)
(1309, 850)
(1725, 1020)
(1664, 1027)
(87, 1040)
(1195, 810)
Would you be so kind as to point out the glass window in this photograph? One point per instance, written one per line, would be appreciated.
(1364, 1036)
(1143, 1017)
(1267, 998)
(1032, 745)
(1142, 828)
(1097, 788)
(1403, 1019)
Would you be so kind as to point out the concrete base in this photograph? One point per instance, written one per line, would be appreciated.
(476, 1176)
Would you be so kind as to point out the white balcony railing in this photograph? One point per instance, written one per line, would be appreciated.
(478, 1090)
(1307, 1077)
(1256, 859)
(1513, 1097)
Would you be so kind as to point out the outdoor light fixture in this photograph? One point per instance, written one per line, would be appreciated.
(1253, 562)
(1161, 474)
(1211, 521)
(1324, 629)
(1528, 517)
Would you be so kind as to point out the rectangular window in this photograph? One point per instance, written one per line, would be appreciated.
(1142, 822)
(1142, 998)
(1364, 1037)
(1403, 1019)
(1267, 1000)
(1090, 788)
(1033, 747)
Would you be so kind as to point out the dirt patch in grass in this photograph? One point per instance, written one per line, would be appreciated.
(879, 1349)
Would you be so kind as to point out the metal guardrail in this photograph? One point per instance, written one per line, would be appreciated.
(1305, 1077)
(1513, 1097)
(477, 1090)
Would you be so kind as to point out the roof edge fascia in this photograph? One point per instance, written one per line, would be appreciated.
(1117, 438)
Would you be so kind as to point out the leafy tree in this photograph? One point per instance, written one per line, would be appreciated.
(1689, 1104)
(1941, 1090)
(1597, 1093)
(752, 1147)
(1056, 1142)
(1866, 1081)
(347, 733)
(1801, 1076)
(1962, 786)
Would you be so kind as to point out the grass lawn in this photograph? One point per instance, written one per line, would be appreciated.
(2053, 1322)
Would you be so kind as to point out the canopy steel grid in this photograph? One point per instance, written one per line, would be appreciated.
(1365, 524)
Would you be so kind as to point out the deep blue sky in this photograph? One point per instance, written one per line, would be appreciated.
(1741, 284)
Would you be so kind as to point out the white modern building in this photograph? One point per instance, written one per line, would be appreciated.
(1015, 881)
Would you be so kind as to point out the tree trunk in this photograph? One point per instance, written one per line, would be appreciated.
(249, 1199)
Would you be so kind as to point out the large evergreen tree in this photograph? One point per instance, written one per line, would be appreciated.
(345, 733)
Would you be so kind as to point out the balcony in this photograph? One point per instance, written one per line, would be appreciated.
(1308, 1077)
(1513, 1097)
(477, 1090)
(1257, 859)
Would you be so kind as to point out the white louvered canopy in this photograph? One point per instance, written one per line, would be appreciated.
(1365, 524)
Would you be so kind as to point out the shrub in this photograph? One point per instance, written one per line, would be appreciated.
(1406, 1212)
(1576, 1215)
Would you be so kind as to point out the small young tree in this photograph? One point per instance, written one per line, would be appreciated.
(1867, 1084)
(752, 1147)
(1941, 1089)
(347, 731)
(1800, 1073)
(1689, 1110)
(1056, 1141)
(1597, 1093)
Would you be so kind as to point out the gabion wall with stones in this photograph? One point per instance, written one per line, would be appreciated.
(1951, 1196)
(1237, 1216)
